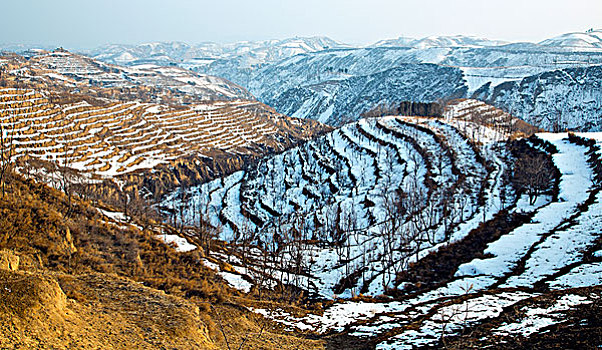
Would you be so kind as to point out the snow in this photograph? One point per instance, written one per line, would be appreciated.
(334, 318)
(116, 216)
(551, 252)
(180, 244)
(448, 320)
(153, 109)
(56, 76)
(236, 281)
(585, 275)
(563, 248)
(282, 317)
(210, 264)
(536, 319)
(508, 249)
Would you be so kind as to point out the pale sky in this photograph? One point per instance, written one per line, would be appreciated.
(87, 23)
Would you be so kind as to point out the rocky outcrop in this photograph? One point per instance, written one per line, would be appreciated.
(8, 260)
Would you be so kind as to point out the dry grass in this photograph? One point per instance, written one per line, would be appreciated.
(85, 283)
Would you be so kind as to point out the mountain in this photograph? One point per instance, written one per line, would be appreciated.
(402, 41)
(305, 77)
(159, 52)
(439, 41)
(555, 100)
(307, 85)
(590, 40)
(336, 101)
(248, 53)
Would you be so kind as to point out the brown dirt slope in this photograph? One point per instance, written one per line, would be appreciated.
(104, 311)
(70, 279)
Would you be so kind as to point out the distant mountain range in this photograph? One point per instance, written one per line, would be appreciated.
(330, 81)
(439, 41)
(249, 54)
(254, 53)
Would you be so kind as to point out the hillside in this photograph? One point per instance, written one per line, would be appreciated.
(116, 138)
(458, 236)
(336, 101)
(306, 86)
(74, 276)
(103, 147)
(556, 100)
(92, 265)
(80, 74)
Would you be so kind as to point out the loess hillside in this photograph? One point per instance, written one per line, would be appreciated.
(116, 138)
(152, 147)
(71, 276)
(70, 72)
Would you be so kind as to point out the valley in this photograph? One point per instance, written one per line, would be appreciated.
(441, 192)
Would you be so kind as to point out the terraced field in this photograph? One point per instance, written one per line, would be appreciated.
(413, 209)
(482, 122)
(114, 138)
(343, 188)
(79, 74)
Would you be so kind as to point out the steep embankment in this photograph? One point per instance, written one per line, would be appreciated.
(73, 276)
(555, 100)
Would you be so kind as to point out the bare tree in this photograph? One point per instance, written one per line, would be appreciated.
(7, 149)
(532, 175)
(66, 174)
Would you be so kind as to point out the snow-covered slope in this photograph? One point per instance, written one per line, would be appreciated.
(248, 53)
(339, 192)
(590, 40)
(520, 269)
(555, 100)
